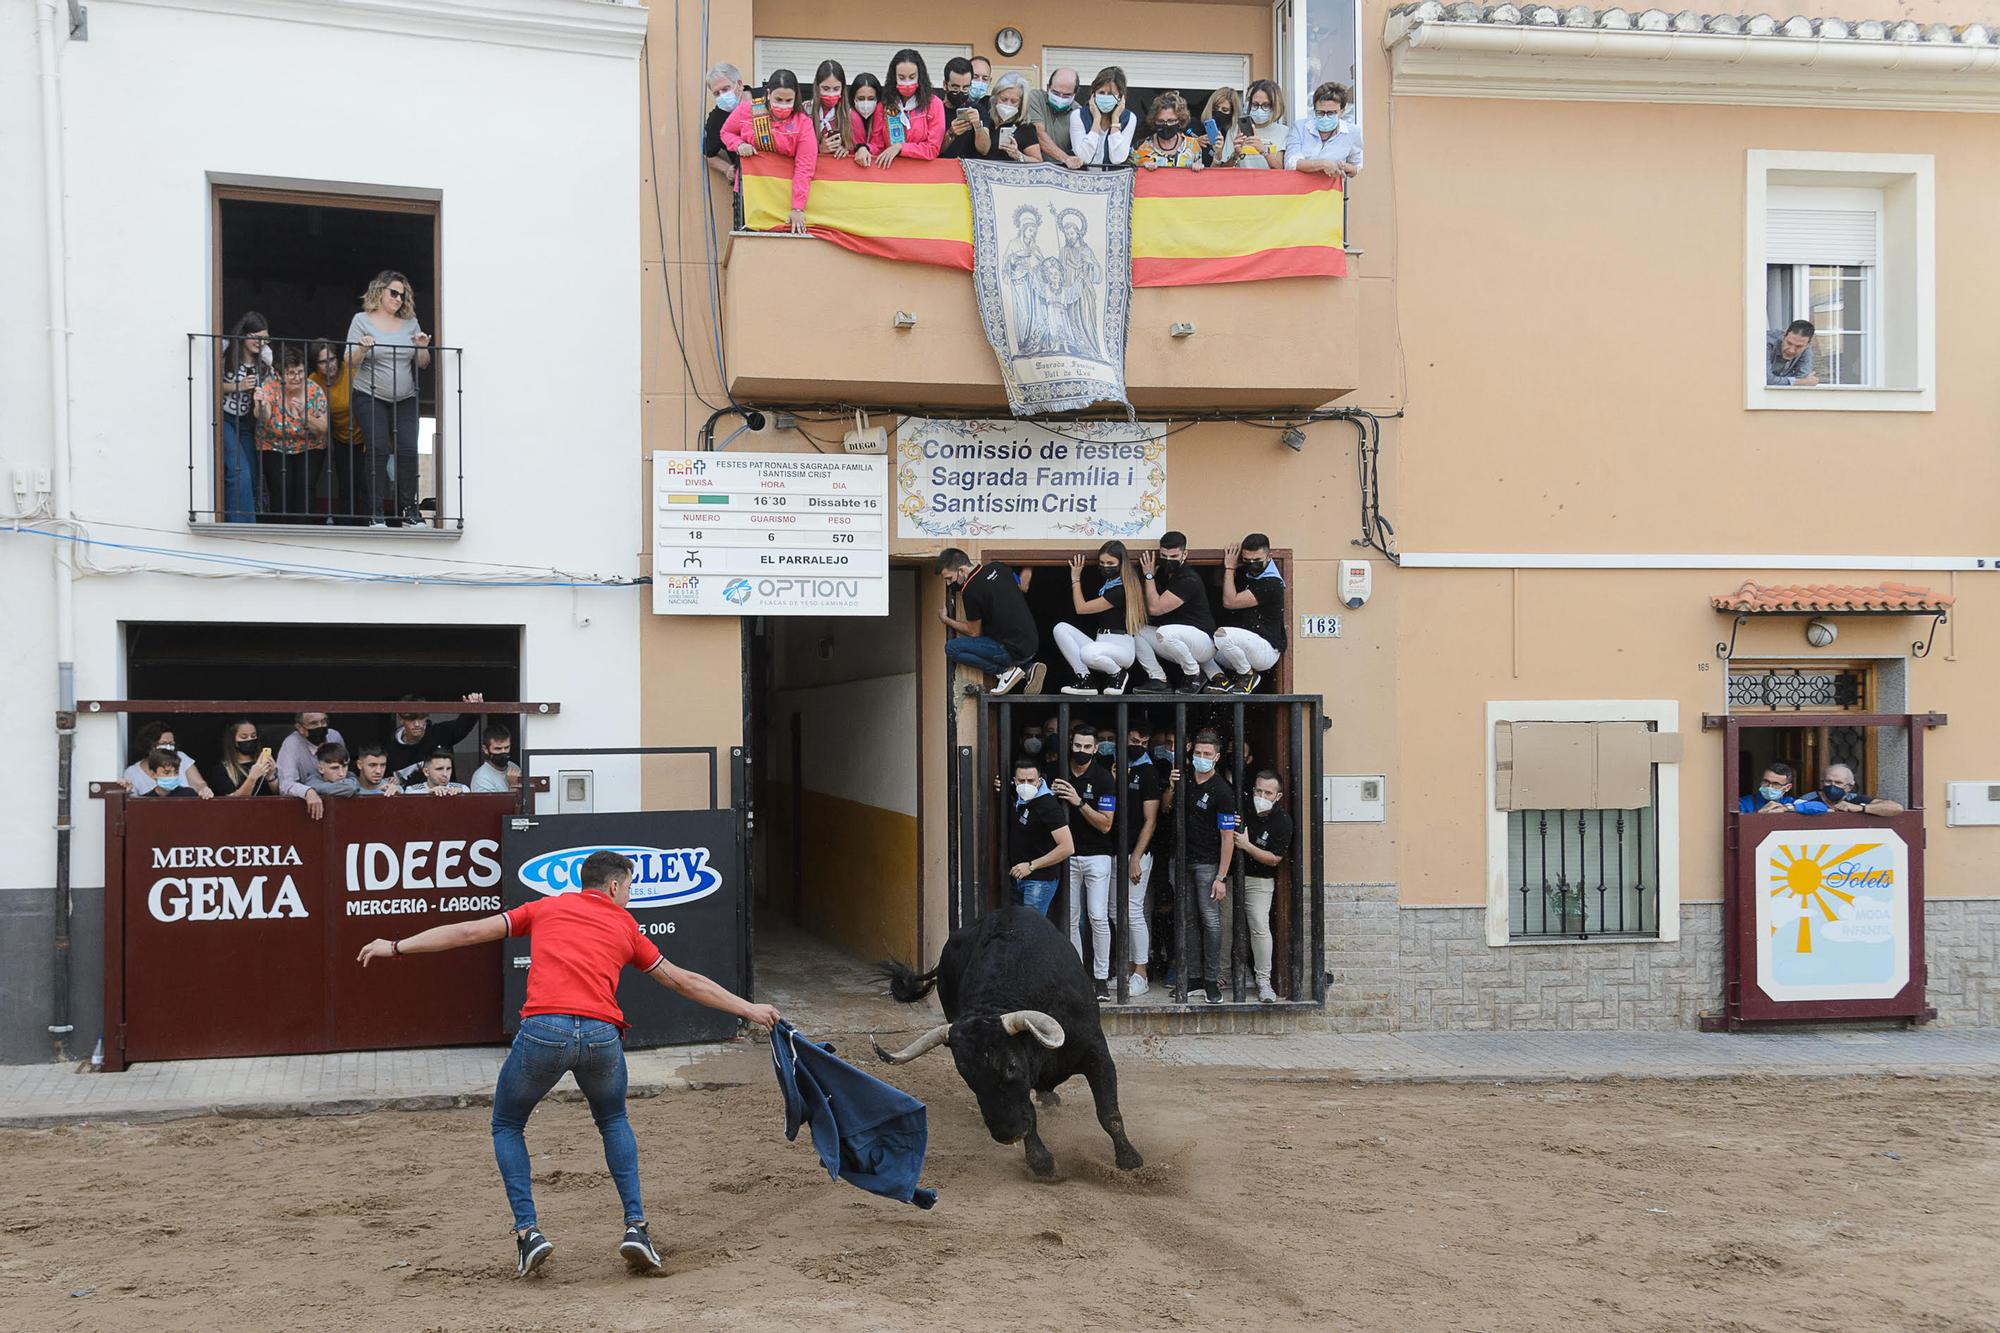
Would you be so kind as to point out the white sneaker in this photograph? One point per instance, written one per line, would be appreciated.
(1009, 678)
(1136, 985)
(1265, 993)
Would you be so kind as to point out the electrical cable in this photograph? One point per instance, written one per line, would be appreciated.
(713, 269)
(660, 219)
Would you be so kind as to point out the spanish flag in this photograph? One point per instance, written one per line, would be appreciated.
(1188, 227)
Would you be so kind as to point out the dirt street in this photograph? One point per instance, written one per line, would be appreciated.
(1769, 1204)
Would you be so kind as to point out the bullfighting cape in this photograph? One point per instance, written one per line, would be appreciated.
(868, 1133)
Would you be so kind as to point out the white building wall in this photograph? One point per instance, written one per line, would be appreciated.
(522, 117)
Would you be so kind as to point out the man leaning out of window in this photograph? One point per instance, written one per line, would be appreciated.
(1788, 359)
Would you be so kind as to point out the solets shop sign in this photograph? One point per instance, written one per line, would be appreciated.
(661, 876)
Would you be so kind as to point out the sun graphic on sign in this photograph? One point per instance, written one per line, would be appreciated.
(1804, 878)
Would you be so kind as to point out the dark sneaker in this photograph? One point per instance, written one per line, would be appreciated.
(1252, 681)
(1189, 687)
(1214, 992)
(1152, 685)
(1081, 685)
(637, 1247)
(1037, 675)
(533, 1248)
(1221, 683)
(1115, 684)
(1103, 989)
(1009, 678)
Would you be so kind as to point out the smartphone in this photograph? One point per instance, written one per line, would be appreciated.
(1007, 136)
(264, 755)
(1214, 134)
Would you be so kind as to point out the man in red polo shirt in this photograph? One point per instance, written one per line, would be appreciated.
(572, 1024)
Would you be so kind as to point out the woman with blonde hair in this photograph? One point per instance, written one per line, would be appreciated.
(386, 349)
(1224, 110)
(1116, 610)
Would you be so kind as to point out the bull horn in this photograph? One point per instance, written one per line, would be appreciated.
(937, 1036)
(1045, 1029)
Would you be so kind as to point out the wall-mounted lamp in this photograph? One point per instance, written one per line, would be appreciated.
(1820, 632)
(904, 320)
(1182, 329)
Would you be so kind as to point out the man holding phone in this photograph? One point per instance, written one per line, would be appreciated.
(968, 133)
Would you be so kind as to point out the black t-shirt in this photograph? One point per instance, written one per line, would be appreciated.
(1112, 621)
(1185, 584)
(1267, 618)
(1099, 789)
(962, 145)
(1210, 810)
(1031, 832)
(1142, 784)
(711, 133)
(994, 599)
(1267, 833)
(1025, 137)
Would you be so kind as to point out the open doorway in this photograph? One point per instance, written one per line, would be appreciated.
(833, 736)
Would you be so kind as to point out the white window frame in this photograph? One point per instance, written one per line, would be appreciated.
(1666, 715)
(1903, 375)
(1871, 314)
(769, 53)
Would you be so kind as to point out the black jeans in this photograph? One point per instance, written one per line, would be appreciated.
(390, 430)
(287, 486)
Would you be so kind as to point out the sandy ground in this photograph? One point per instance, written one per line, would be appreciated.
(1779, 1205)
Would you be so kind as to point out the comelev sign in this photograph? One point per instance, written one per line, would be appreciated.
(770, 534)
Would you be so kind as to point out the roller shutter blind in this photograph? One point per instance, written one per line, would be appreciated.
(801, 55)
(1154, 69)
(1820, 236)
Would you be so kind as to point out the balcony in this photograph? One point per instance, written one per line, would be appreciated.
(346, 477)
(896, 331)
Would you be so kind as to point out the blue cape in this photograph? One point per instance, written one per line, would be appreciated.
(867, 1132)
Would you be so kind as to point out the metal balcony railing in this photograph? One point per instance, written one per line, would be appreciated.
(325, 452)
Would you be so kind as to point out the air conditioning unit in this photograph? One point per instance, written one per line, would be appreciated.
(864, 438)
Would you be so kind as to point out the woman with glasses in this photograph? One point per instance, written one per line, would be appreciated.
(291, 428)
(386, 349)
(1267, 132)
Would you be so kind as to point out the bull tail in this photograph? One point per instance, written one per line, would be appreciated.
(905, 984)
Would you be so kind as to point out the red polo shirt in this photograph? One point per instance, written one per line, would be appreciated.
(582, 941)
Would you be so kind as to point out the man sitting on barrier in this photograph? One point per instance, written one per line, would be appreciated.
(571, 1024)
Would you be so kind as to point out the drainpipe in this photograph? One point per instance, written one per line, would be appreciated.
(48, 13)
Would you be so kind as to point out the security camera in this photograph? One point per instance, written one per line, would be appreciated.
(1356, 583)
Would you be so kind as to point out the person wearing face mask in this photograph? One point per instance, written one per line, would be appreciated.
(1208, 804)
(864, 105)
(1265, 840)
(1090, 791)
(1038, 837)
(497, 770)
(1141, 819)
(1839, 793)
(1774, 794)
(1015, 137)
(1325, 141)
(1224, 110)
(1182, 627)
(1101, 128)
(792, 133)
(1266, 133)
(248, 765)
(912, 119)
(1253, 596)
(155, 736)
(1112, 611)
(725, 85)
(998, 633)
(968, 132)
(1048, 110)
(1168, 144)
(982, 79)
(833, 119)
(163, 776)
(297, 757)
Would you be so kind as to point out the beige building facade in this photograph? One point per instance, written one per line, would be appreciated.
(1570, 237)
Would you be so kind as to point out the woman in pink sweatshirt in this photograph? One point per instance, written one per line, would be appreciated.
(911, 121)
(789, 132)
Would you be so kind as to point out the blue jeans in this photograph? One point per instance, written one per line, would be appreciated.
(547, 1047)
(239, 469)
(1036, 893)
(976, 650)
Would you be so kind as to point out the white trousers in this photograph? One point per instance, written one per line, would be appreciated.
(1183, 645)
(1240, 651)
(1106, 653)
(1257, 894)
(1090, 884)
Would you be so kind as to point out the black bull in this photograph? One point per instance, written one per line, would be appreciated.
(1020, 1013)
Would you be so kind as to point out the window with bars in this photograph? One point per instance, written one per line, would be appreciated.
(1584, 874)
(1797, 689)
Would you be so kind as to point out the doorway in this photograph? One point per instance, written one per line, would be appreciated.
(833, 735)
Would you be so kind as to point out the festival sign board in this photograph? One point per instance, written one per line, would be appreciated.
(1082, 481)
(770, 534)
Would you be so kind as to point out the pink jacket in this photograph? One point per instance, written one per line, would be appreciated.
(926, 137)
(796, 137)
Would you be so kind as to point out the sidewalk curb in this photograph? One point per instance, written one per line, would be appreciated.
(1356, 1078)
(307, 1108)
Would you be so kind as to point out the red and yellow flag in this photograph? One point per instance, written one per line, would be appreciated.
(1188, 227)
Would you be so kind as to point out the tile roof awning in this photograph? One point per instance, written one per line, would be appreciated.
(1831, 599)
